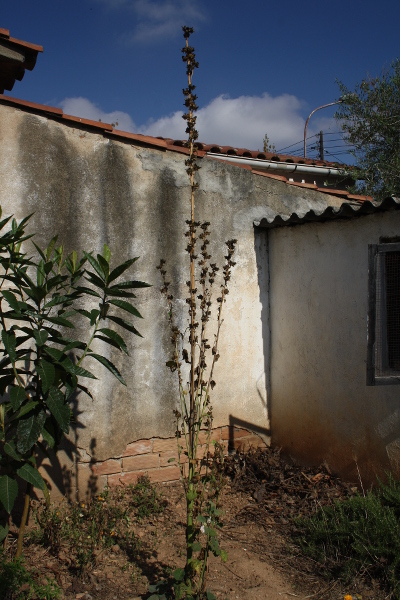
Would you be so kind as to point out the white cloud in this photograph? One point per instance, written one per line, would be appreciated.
(82, 107)
(239, 122)
(157, 19)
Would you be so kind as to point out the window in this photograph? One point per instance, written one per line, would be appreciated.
(383, 361)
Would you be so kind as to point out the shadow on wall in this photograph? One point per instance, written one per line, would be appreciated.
(64, 479)
(261, 251)
(239, 424)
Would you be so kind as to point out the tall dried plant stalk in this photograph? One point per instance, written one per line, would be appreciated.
(192, 347)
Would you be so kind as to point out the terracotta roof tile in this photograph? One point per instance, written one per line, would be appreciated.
(5, 34)
(40, 108)
(12, 69)
(89, 122)
(312, 186)
(142, 139)
(325, 190)
(179, 145)
(270, 175)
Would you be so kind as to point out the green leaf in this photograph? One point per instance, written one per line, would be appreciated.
(48, 267)
(58, 408)
(40, 337)
(210, 596)
(178, 574)
(40, 251)
(55, 353)
(9, 342)
(8, 492)
(24, 410)
(17, 396)
(31, 475)
(109, 365)
(29, 430)
(74, 369)
(211, 532)
(95, 266)
(47, 436)
(3, 532)
(106, 253)
(40, 274)
(47, 374)
(50, 247)
(115, 337)
(56, 301)
(121, 269)
(224, 555)
(59, 321)
(86, 290)
(196, 547)
(12, 300)
(93, 316)
(105, 267)
(128, 285)
(9, 448)
(125, 324)
(126, 306)
(92, 278)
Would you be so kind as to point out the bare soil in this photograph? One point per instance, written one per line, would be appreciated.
(261, 496)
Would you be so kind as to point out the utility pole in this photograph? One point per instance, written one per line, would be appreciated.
(321, 145)
(341, 99)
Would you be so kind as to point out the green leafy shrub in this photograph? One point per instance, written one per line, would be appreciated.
(85, 527)
(357, 533)
(145, 499)
(16, 583)
(41, 368)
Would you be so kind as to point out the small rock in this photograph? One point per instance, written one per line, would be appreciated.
(115, 548)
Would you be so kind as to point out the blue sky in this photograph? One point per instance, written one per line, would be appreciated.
(263, 65)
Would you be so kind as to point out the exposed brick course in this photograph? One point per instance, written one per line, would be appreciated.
(142, 461)
(108, 467)
(139, 447)
(150, 457)
(164, 445)
(166, 456)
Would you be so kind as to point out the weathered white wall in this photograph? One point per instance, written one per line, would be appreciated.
(93, 190)
(321, 407)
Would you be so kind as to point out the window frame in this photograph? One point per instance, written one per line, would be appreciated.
(373, 251)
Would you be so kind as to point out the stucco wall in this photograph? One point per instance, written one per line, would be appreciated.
(321, 407)
(94, 190)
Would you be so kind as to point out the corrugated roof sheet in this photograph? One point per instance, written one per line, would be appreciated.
(345, 211)
(12, 69)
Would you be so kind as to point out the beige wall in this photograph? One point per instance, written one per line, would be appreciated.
(93, 190)
(321, 408)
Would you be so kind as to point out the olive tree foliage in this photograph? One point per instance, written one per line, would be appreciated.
(42, 298)
(370, 119)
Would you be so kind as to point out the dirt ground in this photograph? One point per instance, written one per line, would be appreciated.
(261, 495)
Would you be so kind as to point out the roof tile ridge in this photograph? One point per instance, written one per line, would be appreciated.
(221, 160)
(29, 45)
(34, 105)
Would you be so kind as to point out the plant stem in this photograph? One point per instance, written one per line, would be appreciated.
(24, 519)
